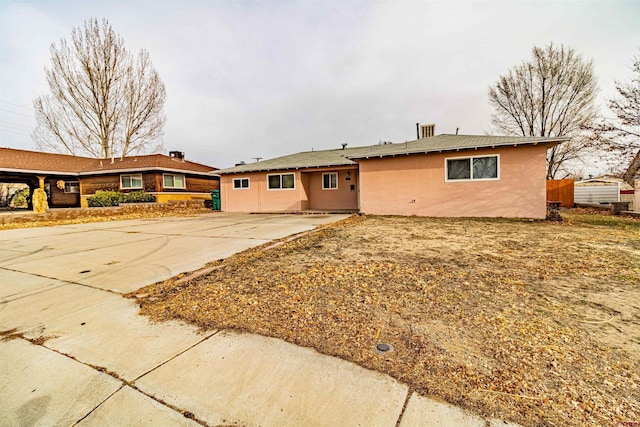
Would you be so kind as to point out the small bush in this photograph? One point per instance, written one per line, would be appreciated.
(19, 198)
(105, 198)
(139, 197)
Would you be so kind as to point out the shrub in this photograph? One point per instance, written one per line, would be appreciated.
(105, 198)
(139, 197)
(19, 198)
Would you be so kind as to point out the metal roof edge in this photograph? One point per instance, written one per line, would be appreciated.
(147, 169)
(223, 172)
(442, 150)
(42, 172)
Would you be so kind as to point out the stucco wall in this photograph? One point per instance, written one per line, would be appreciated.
(342, 197)
(257, 198)
(415, 185)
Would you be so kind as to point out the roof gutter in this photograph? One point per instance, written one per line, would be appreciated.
(223, 172)
(40, 172)
(105, 172)
(443, 150)
(151, 169)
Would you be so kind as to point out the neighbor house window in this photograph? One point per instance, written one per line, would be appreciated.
(128, 182)
(329, 181)
(472, 168)
(173, 181)
(284, 181)
(240, 183)
(72, 187)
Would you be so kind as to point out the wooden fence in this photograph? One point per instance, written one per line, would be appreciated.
(560, 190)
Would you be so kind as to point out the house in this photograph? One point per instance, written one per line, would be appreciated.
(442, 176)
(69, 180)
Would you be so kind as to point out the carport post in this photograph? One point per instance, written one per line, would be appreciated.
(39, 197)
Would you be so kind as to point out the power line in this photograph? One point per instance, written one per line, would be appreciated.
(19, 114)
(14, 132)
(15, 125)
(17, 105)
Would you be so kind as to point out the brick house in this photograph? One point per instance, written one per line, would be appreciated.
(69, 180)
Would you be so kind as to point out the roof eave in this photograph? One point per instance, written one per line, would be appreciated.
(443, 150)
(147, 169)
(223, 172)
(39, 171)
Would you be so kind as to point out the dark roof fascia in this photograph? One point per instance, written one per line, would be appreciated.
(454, 150)
(107, 172)
(140, 170)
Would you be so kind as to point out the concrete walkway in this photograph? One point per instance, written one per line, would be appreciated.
(74, 351)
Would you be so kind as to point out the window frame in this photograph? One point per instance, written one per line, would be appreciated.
(233, 183)
(173, 175)
(471, 158)
(70, 185)
(281, 175)
(131, 175)
(330, 173)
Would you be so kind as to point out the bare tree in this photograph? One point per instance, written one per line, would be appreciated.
(103, 101)
(622, 134)
(550, 95)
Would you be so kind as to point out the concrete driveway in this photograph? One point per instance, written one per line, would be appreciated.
(74, 351)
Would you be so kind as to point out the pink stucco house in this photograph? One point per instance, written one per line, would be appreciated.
(443, 175)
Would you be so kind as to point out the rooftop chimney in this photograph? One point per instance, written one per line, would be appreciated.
(427, 131)
(178, 155)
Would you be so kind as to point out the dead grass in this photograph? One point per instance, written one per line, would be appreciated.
(534, 322)
(93, 216)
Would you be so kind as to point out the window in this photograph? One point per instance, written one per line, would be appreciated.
(128, 182)
(472, 168)
(240, 183)
(285, 181)
(173, 181)
(329, 181)
(72, 187)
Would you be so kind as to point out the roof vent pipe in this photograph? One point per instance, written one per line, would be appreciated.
(457, 129)
(344, 145)
(417, 130)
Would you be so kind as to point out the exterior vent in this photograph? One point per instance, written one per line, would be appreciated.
(427, 131)
(178, 155)
(241, 163)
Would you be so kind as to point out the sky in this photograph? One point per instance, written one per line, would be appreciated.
(248, 79)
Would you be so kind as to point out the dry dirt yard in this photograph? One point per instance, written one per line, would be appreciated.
(534, 322)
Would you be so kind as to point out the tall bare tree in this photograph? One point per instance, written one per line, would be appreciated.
(103, 101)
(622, 134)
(550, 95)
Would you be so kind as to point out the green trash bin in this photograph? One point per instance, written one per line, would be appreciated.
(215, 200)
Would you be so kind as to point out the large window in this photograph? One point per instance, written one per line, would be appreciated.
(330, 181)
(472, 168)
(128, 182)
(173, 181)
(240, 183)
(284, 181)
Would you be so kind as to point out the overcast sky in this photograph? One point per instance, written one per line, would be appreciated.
(269, 78)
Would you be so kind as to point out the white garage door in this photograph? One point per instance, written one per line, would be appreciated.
(601, 193)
